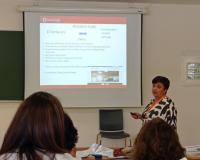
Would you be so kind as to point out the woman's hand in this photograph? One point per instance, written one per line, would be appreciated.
(136, 115)
(73, 152)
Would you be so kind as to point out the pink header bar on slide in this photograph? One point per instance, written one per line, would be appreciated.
(83, 19)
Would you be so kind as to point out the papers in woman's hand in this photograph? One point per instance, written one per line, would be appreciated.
(193, 150)
(96, 149)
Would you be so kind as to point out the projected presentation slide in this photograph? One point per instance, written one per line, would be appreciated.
(83, 51)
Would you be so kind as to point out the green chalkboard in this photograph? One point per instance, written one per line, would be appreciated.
(11, 65)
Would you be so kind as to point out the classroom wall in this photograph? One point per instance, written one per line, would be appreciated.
(168, 31)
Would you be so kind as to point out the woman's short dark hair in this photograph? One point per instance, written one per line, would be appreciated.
(71, 133)
(159, 141)
(38, 125)
(160, 79)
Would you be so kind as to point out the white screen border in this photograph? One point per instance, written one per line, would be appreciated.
(128, 97)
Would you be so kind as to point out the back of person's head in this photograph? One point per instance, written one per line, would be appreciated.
(71, 133)
(38, 126)
(157, 140)
(160, 79)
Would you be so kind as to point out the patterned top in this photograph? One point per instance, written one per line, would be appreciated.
(165, 110)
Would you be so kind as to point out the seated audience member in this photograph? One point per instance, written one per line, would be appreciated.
(36, 131)
(71, 135)
(157, 140)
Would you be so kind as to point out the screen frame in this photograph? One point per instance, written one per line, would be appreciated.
(105, 104)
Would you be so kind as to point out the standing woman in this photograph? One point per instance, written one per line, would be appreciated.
(37, 131)
(161, 106)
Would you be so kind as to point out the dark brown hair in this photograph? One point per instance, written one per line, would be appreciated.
(38, 126)
(157, 140)
(160, 79)
(71, 133)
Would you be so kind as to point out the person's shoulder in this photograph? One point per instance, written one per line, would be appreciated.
(57, 156)
(65, 156)
(168, 100)
(13, 156)
(184, 158)
(8, 156)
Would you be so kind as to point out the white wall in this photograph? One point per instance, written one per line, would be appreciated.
(168, 30)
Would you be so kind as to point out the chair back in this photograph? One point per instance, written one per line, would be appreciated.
(110, 120)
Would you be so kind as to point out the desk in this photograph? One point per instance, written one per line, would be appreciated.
(193, 157)
(117, 151)
(106, 158)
